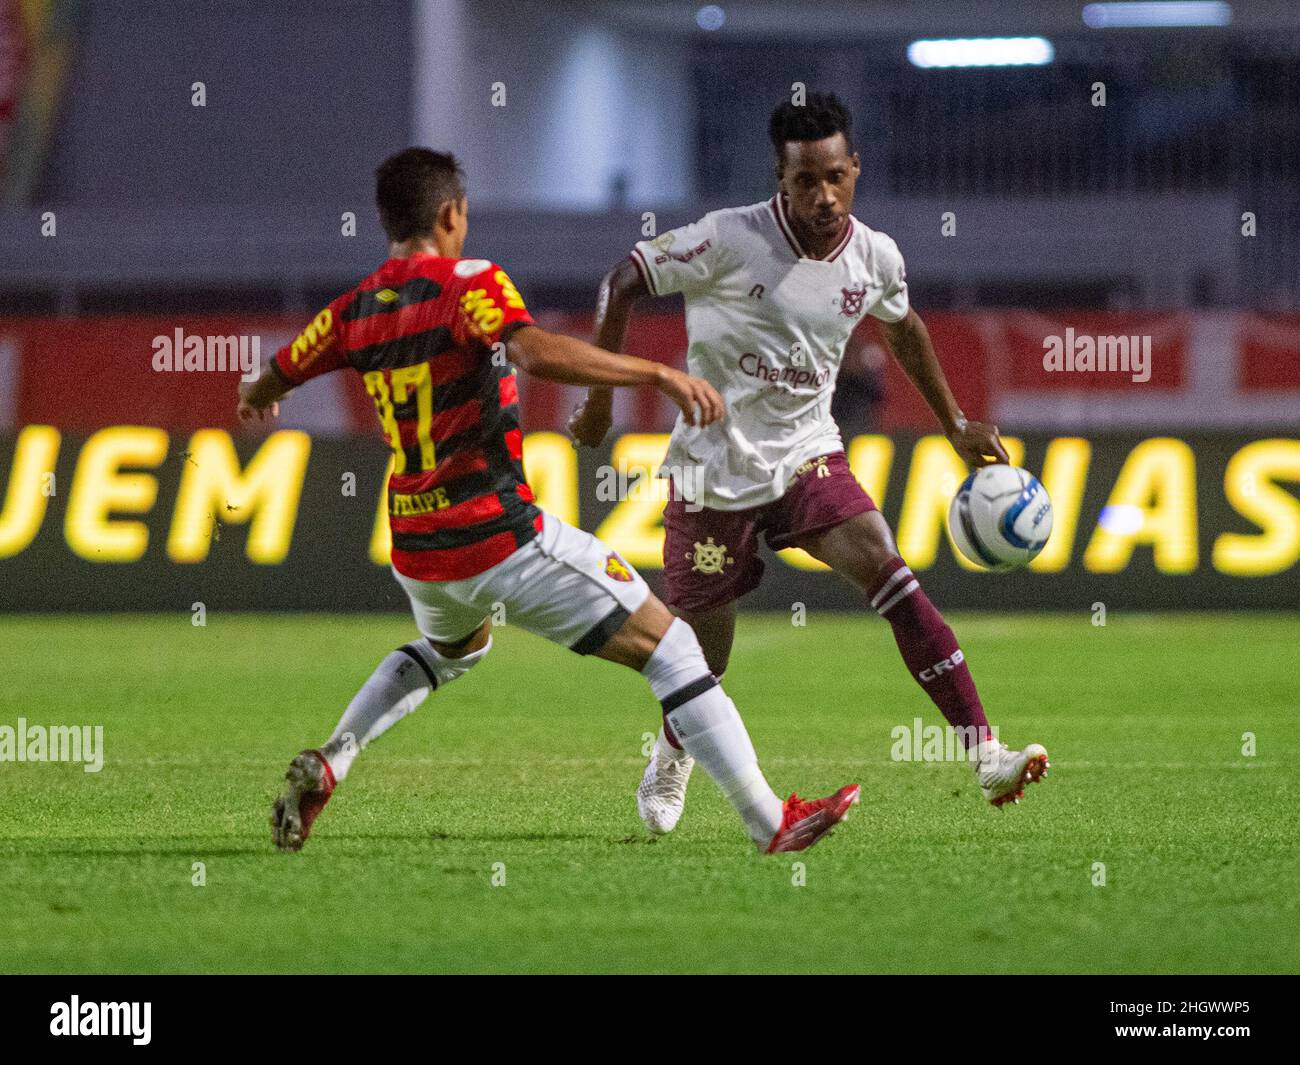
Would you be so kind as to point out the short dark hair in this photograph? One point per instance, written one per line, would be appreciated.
(822, 115)
(412, 186)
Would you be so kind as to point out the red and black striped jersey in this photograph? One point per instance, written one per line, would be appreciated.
(428, 335)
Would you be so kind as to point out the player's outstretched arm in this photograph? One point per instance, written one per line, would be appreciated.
(619, 290)
(909, 340)
(557, 357)
(260, 397)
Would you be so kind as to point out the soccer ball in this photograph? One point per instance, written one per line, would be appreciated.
(1000, 517)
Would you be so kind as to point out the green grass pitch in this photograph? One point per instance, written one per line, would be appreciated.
(529, 764)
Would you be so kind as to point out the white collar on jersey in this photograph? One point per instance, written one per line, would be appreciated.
(777, 203)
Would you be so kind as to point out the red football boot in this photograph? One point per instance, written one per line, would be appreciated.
(308, 785)
(804, 823)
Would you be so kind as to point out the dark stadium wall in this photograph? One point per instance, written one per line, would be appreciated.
(299, 104)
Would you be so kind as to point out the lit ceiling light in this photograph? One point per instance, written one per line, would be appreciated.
(1171, 13)
(710, 17)
(981, 52)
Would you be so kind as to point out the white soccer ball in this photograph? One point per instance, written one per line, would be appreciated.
(1000, 517)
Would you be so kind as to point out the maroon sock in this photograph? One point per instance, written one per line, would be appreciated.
(929, 648)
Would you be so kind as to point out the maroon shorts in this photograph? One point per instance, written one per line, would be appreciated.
(711, 556)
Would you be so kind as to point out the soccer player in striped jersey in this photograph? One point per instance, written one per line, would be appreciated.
(773, 291)
(434, 336)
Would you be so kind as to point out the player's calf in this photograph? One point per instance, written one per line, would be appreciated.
(661, 795)
(704, 721)
(399, 684)
(928, 646)
(863, 550)
(706, 724)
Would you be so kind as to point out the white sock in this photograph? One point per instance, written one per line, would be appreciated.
(399, 684)
(667, 749)
(708, 726)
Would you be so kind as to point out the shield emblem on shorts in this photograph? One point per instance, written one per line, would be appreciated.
(616, 568)
(710, 557)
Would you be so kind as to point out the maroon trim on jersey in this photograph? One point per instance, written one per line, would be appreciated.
(777, 204)
(643, 269)
(848, 236)
(779, 216)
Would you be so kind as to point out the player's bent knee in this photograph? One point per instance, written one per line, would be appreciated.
(871, 547)
(677, 663)
(876, 541)
(634, 643)
(444, 662)
(476, 640)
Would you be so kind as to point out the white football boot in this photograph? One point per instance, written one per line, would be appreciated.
(1003, 774)
(661, 795)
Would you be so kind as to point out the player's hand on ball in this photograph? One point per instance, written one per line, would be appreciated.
(590, 423)
(978, 444)
(698, 400)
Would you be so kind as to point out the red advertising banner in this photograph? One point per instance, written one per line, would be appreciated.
(1021, 369)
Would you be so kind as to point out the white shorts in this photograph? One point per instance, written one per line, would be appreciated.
(564, 584)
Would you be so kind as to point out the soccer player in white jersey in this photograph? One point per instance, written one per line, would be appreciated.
(773, 292)
(423, 331)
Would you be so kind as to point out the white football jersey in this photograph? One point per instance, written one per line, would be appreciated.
(767, 327)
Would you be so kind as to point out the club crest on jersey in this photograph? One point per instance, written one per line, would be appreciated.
(851, 301)
(710, 558)
(617, 569)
